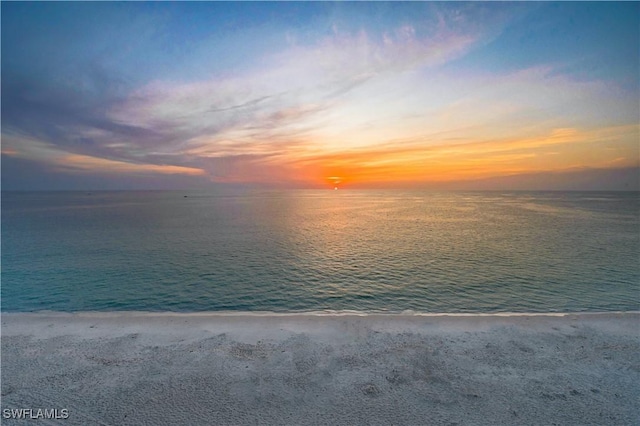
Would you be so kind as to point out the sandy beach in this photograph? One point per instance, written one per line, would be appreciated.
(348, 369)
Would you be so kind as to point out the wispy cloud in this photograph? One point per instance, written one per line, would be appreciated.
(412, 161)
(33, 149)
(368, 103)
(278, 110)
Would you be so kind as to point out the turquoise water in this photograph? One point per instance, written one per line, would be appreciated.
(321, 250)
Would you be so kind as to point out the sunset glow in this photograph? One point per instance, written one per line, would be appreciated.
(320, 95)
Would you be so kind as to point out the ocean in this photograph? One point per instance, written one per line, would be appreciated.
(320, 250)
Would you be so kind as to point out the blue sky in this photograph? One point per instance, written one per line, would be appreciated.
(360, 94)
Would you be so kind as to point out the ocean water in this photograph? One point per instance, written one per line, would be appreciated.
(304, 250)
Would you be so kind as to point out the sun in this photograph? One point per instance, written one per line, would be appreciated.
(334, 181)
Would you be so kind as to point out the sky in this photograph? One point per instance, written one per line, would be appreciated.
(179, 95)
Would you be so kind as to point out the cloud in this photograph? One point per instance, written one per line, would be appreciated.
(365, 103)
(416, 161)
(289, 98)
(32, 149)
(94, 164)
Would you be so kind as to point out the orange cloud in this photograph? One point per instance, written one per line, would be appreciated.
(88, 163)
(415, 163)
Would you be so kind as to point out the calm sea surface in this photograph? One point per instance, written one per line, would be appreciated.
(321, 250)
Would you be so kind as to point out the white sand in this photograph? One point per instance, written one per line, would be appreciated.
(166, 369)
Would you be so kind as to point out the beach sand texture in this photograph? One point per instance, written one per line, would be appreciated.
(298, 369)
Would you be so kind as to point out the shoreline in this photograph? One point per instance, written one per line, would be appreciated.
(405, 313)
(411, 368)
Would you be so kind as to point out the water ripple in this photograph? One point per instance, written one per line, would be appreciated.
(310, 250)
